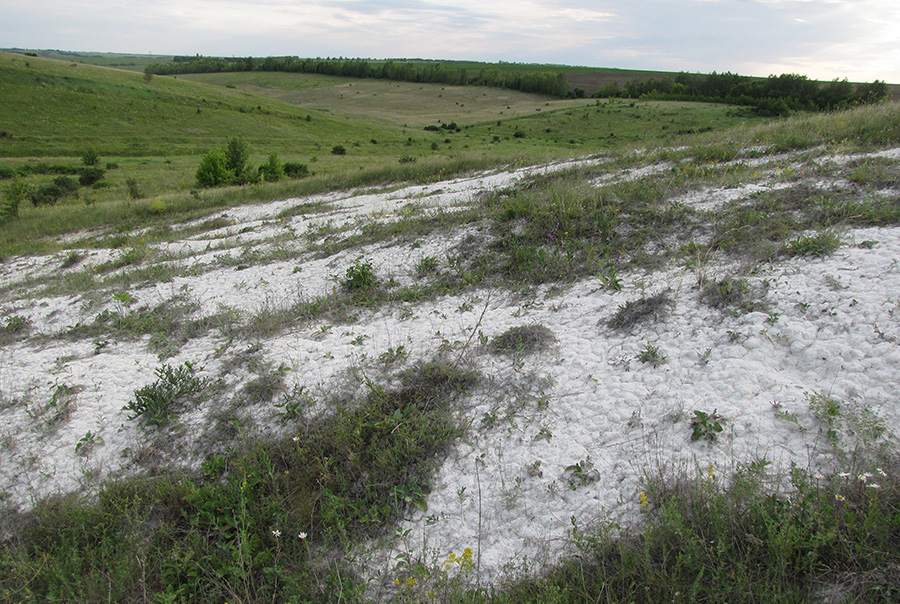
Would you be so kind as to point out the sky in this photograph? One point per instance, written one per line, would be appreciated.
(823, 39)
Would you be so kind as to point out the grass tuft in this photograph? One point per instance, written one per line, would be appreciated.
(651, 308)
(524, 339)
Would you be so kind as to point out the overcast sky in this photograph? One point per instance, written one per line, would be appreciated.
(824, 39)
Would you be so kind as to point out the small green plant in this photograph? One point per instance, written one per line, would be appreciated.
(392, 355)
(727, 292)
(174, 388)
(71, 259)
(426, 266)
(706, 425)
(610, 279)
(820, 245)
(86, 444)
(339, 150)
(360, 276)
(17, 324)
(785, 415)
(293, 405)
(651, 354)
(582, 473)
(489, 419)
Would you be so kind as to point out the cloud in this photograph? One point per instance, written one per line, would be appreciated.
(821, 38)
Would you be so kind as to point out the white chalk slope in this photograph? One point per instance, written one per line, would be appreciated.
(829, 326)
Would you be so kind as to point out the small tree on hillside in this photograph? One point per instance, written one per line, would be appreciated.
(272, 170)
(15, 193)
(236, 155)
(213, 170)
(90, 157)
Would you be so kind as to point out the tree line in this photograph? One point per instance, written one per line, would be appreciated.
(775, 95)
(544, 82)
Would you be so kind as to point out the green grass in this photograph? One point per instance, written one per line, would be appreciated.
(737, 542)
(269, 518)
(151, 135)
(231, 532)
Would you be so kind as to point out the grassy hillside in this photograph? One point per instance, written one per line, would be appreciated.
(54, 108)
(154, 133)
(121, 60)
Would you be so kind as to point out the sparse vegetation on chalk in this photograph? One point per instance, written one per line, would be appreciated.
(297, 480)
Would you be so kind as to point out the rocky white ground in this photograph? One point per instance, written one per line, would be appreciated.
(828, 327)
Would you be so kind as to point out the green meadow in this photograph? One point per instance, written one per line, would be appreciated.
(154, 133)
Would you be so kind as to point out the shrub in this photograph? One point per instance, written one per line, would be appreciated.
(523, 339)
(272, 170)
(338, 150)
(360, 276)
(157, 403)
(90, 175)
(213, 170)
(90, 157)
(47, 195)
(50, 194)
(295, 170)
(134, 191)
(65, 184)
(651, 308)
(771, 108)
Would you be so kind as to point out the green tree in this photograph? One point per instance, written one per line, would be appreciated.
(15, 193)
(213, 170)
(236, 155)
(90, 157)
(272, 170)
